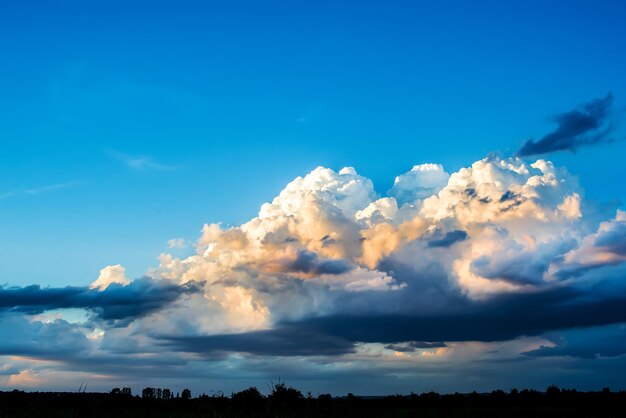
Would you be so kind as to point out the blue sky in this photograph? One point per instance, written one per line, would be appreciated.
(126, 125)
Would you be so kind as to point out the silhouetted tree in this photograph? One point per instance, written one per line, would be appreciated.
(283, 397)
(186, 394)
(127, 392)
(249, 400)
(167, 394)
(553, 391)
(147, 393)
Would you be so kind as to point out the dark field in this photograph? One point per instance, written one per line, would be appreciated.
(284, 401)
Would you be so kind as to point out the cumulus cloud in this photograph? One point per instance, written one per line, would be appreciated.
(606, 247)
(584, 126)
(329, 247)
(494, 228)
(422, 181)
(109, 275)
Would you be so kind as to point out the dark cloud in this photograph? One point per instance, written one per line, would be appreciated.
(140, 297)
(449, 239)
(586, 125)
(509, 195)
(411, 346)
(510, 200)
(283, 341)
(523, 269)
(470, 192)
(609, 341)
(309, 262)
(502, 319)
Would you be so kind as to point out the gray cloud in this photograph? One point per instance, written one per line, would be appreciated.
(57, 339)
(608, 341)
(309, 262)
(501, 319)
(525, 267)
(412, 346)
(139, 298)
(613, 239)
(586, 125)
(449, 239)
(283, 341)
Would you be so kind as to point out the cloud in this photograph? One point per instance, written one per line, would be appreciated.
(285, 341)
(308, 263)
(113, 302)
(471, 260)
(329, 245)
(606, 247)
(448, 239)
(525, 316)
(110, 275)
(584, 126)
(176, 243)
(41, 189)
(140, 162)
(52, 187)
(412, 346)
(422, 181)
(496, 257)
(607, 341)
(55, 339)
(506, 318)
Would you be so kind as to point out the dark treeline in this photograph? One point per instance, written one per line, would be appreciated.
(287, 402)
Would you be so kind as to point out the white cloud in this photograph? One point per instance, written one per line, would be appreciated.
(109, 275)
(421, 182)
(177, 243)
(332, 230)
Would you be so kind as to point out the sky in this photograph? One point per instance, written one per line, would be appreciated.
(369, 197)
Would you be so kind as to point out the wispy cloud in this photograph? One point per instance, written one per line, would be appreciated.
(140, 162)
(52, 187)
(177, 243)
(41, 189)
